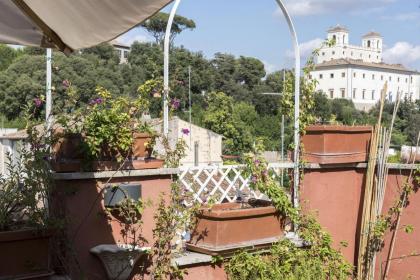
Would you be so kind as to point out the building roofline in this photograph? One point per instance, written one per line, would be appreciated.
(372, 34)
(116, 43)
(355, 62)
(337, 28)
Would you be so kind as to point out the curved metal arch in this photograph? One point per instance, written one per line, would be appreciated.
(297, 87)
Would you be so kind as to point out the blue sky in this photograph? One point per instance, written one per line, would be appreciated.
(257, 28)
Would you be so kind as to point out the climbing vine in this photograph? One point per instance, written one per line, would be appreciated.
(171, 218)
(318, 260)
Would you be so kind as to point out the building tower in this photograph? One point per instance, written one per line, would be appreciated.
(373, 41)
(339, 34)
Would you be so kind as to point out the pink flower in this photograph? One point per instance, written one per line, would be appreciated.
(185, 131)
(66, 83)
(38, 102)
(175, 103)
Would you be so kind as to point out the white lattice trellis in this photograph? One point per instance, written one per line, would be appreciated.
(219, 183)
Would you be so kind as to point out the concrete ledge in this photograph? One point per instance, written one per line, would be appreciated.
(189, 258)
(289, 164)
(115, 174)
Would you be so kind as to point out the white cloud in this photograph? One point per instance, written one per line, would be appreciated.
(402, 52)
(317, 7)
(306, 48)
(270, 68)
(404, 16)
(132, 36)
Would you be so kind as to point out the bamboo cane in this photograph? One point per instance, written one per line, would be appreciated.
(381, 179)
(362, 272)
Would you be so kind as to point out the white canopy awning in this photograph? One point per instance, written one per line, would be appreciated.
(69, 25)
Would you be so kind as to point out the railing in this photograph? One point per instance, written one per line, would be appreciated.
(222, 183)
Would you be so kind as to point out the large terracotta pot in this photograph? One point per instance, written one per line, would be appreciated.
(331, 144)
(69, 147)
(228, 227)
(24, 253)
(69, 157)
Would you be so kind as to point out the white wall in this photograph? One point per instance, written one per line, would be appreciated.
(209, 143)
(350, 52)
(367, 79)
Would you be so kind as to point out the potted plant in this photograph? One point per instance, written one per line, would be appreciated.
(25, 227)
(123, 203)
(227, 227)
(111, 135)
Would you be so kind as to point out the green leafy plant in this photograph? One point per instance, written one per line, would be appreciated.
(25, 188)
(107, 123)
(318, 260)
(171, 218)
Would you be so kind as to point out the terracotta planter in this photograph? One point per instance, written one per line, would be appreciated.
(336, 144)
(227, 227)
(24, 253)
(139, 148)
(69, 147)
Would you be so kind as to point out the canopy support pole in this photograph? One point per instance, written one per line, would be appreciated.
(297, 88)
(296, 175)
(166, 68)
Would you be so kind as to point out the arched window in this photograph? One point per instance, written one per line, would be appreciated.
(344, 39)
(368, 43)
(334, 38)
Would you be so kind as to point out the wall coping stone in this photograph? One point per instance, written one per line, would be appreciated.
(115, 174)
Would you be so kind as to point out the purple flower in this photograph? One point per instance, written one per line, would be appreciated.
(96, 101)
(38, 102)
(254, 179)
(185, 131)
(66, 83)
(257, 162)
(175, 103)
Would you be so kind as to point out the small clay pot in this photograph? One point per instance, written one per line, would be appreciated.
(68, 147)
(140, 147)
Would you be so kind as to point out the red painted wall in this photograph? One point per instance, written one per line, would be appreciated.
(75, 199)
(336, 195)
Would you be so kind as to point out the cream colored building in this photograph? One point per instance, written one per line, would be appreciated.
(358, 73)
(122, 51)
(204, 147)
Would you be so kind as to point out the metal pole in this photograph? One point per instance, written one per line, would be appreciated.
(297, 87)
(282, 147)
(166, 68)
(48, 105)
(297, 99)
(189, 102)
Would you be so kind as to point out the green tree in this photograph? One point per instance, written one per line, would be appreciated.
(219, 118)
(156, 26)
(103, 51)
(322, 109)
(7, 55)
